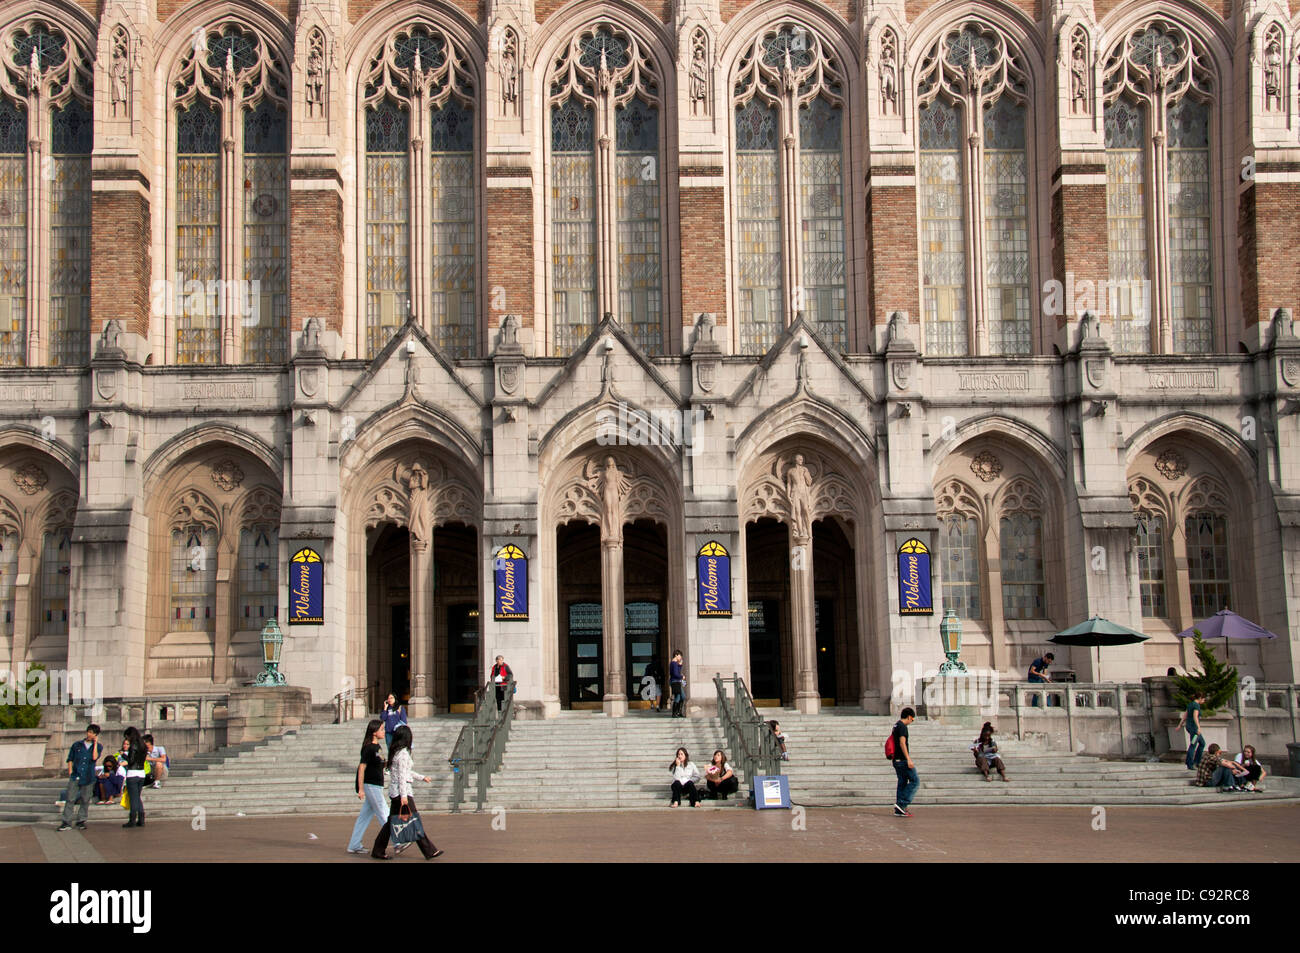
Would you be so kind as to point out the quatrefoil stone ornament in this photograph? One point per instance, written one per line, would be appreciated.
(986, 466)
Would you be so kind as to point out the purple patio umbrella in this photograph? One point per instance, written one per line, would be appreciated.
(1226, 624)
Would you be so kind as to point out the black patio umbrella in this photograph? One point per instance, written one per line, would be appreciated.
(1097, 632)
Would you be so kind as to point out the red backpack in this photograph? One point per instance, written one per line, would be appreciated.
(890, 750)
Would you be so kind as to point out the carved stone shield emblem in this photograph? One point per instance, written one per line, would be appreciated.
(309, 381)
(706, 372)
(902, 373)
(1291, 371)
(509, 376)
(106, 384)
(1096, 371)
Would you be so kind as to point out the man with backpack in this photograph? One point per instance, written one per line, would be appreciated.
(898, 752)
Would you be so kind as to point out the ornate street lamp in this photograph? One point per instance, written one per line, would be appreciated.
(272, 643)
(950, 636)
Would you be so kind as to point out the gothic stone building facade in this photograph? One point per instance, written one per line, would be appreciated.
(1009, 277)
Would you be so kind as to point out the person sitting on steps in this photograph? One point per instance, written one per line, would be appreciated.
(986, 753)
(720, 778)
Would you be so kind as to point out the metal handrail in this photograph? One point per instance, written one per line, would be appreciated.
(343, 704)
(481, 743)
(750, 739)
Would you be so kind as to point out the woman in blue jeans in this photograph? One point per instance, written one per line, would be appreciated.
(394, 716)
(1192, 721)
(370, 786)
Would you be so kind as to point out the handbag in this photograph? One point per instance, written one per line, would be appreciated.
(126, 800)
(406, 829)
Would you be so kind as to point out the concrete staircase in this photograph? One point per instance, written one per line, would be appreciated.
(586, 761)
(304, 772)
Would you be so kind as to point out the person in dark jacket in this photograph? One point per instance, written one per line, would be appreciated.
(393, 717)
(81, 777)
(677, 682)
(136, 756)
(501, 678)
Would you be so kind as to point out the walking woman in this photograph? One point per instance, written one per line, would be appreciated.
(685, 774)
(370, 786)
(401, 772)
(720, 777)
(393, 716)
(134, 755)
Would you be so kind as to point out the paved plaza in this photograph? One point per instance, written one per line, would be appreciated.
(1271, 834)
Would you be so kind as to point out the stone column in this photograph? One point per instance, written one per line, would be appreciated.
(807, 697)
(421, 703)
(611, 608)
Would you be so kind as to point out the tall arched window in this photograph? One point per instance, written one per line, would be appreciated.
(193, 579)
(231, 207)
(1024, 589)
(606, 241)
(420, 225)
(45, 145)
(1158, 89)
(10, 524)
(788, 188)
(259, 561)
(56, 567)
(961, 547)
(974, 194)
(1149, 542)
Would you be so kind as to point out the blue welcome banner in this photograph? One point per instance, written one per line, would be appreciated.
(510, 583)
(914, 596)
(306, 588)
(713, 575)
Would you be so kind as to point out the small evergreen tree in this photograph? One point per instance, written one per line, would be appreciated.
(1216, 680)
(19, 715)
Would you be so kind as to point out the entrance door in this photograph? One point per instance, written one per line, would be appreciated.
(765, 651)
(586, 673)
(641, 627)
(824, 625)
(462, 656)
(402, 651)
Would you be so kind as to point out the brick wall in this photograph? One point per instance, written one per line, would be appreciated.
(509, 217)
(891, 240)
(119, 249)
(703, 253)
(1269, 221)
(1079, 242)
(316, 257)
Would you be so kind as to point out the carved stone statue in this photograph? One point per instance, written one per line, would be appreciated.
(897, 330)
(228, 73)
(604, 75)
(34, 71)
(699, 77)
(509, 73)
(888, 76)
(1079, 76)
(418, 521)
(108, 338)
(316, 76)
(798, 492)
(311, 335)
(1273, 75)
(119, 76)
(613, 487)
(509, 330)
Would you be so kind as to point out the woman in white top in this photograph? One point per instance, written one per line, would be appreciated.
(720, 777)
(685, 774)
(401, 772)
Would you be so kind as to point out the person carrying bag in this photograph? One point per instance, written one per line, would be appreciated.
(403, 824)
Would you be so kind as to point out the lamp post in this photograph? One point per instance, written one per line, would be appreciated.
(950, 636)
(272, 643)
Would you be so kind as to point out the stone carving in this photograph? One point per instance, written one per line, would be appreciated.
(418, 505)
(1096, 371)
(1172, 464)
(1273, 69)
(798, 494)
(311, 335)
(1291, 371)
(316, 78)
(897, 331)
(309, 381)
(986, 466)
(509, 374)
(699, 74)
(902, 373)
(509, 69)
(30, 478)
(1080, 87)
(1283, 324)
(120, 73)
(613, 487)
(603, 482)
(509, 336)
(227, 475)
(108, 337)
(888, 73)
(704, 327)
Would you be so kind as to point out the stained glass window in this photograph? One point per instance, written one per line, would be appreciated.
(1022, 567)
(1207, 563)
(943, 233)
(640, 281)
(259, 576)
(960, 548)
(821, 213)
(1151, 566)
(70, 236)
(198, 234)
(388, 288)
(451, 182)
(13, 234)
(1189, 226)
(758, 221)
(1006, 227)
(193, 580)
(573, 228)
(1128, 296)
(8, 576)
(264, 300)
(56, 567)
